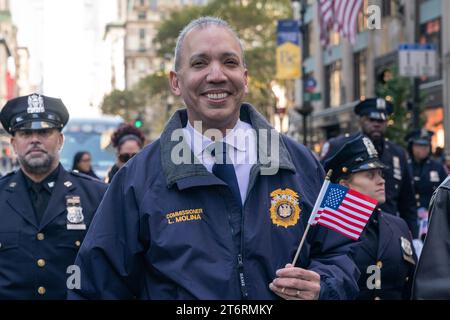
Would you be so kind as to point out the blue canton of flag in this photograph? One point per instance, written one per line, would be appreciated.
(334, 196)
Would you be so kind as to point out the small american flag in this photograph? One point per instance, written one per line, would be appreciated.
(344, 210)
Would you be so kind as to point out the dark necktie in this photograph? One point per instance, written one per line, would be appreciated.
(224, 170)
(39, 201)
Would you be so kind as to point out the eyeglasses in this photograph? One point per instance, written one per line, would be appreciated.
(124, 157)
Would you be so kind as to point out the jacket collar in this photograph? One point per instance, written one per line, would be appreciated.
(385, 234)
(18, 198)
(17, 188)
(64, 185)
(174, 142)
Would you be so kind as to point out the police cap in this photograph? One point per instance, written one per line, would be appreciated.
(358, 154)
(33, 112)
(421, 136)
(374, 108)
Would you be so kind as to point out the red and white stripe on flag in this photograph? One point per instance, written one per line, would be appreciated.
(341, 15)
(345, 211)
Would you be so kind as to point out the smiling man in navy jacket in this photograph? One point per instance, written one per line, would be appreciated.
(216, 207)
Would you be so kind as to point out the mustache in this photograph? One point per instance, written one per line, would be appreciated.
(35, 148)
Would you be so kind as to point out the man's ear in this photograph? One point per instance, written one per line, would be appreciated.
(61, 140)
(13, 142)
(174, 83)
(246, 81)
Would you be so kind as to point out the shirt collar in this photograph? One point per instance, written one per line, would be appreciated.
(48, 183)
(234, 138)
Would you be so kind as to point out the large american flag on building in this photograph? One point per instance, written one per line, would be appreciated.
(341, 15)
(344, 210)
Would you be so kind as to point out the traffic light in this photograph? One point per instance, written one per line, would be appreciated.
(138, 122)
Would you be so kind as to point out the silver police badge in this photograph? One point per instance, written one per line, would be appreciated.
(407, 250)
(35, 104)
(381, 104)
(75, 216)
(424, 133)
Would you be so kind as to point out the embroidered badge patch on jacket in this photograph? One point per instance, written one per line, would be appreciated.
(284, 209)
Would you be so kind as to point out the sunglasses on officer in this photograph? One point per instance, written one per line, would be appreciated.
(124, 157)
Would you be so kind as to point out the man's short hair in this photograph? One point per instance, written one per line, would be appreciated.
(203, 22)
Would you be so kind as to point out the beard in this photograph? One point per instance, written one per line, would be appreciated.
(39, 165)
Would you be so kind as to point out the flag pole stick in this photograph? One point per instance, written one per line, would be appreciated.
(313, 214)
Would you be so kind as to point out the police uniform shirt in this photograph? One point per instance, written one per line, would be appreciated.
(41, 192)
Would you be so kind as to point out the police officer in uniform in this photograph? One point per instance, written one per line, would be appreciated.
(45, 210)
(384, 254)
(428, 173)
(399, 188)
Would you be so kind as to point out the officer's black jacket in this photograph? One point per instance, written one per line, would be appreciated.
(432, 279)
(34, 256)
(381, 246)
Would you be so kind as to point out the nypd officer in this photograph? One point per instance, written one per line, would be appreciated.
(399, 188)
(428, 173)
(45, 209)
(384, 255)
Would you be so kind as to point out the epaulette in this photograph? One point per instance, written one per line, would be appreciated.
(78, 174)
(8, 174)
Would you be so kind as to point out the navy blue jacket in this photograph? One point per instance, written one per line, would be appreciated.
(163, 229)
(428, 175)
(34, 257)
(381, 246)
(397, 176)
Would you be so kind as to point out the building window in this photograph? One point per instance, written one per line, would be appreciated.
(141, 40)
(390, 8)
(153, 5)
(431, 33)
(333, 84)
(362, 17)
(142, 34)
(142, 15)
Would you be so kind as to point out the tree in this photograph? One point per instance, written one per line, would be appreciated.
(398, 90)
(255, 22)
(123, 103)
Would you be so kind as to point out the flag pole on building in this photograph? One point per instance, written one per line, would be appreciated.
(313, 213)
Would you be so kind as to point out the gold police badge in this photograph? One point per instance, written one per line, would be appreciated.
(284, 209)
